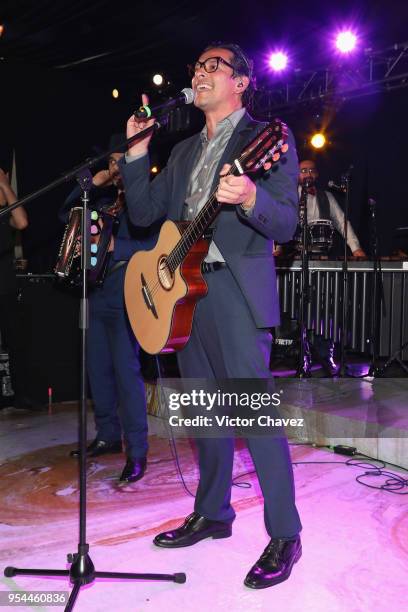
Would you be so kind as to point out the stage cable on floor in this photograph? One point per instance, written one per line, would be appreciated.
(394, 483)
(169, 430)
(173, 443)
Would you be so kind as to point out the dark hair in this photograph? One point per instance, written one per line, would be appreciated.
(242, 66)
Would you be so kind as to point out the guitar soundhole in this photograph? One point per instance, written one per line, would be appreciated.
(166, 278)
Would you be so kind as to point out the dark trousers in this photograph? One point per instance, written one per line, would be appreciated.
(12, 340)
(115, 379)
(225, 343)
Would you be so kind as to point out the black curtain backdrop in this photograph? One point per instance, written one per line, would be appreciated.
(55, 119)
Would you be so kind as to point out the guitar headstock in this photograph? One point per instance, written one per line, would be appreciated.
(266, 148)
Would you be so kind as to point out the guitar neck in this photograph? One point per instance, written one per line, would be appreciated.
(198, 227)
(265, 147)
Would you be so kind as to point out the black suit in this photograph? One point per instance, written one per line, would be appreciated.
(230, 338)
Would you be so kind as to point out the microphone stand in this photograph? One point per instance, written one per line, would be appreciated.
(82, 570)
(345, 180)
(78, 169)
(303, 369)
(377, 282)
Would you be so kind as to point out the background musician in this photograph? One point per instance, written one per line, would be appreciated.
(113, 363)
(323, 205)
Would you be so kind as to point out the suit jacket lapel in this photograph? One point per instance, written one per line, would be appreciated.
(188, 158)
(236, 143)
(184, 171)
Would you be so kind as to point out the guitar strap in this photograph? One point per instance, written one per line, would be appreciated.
(237, 150)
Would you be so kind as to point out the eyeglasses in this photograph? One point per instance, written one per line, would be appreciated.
(308, 171)
(210, 65)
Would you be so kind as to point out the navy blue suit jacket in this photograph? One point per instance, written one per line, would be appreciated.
(246, 242)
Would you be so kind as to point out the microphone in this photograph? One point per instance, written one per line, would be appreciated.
(145, 112)
(332, 185)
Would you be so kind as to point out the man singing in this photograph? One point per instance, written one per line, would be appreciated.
(230, 336)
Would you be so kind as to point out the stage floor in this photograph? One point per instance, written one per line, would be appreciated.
(355, 539)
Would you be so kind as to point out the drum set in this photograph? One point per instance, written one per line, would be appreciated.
(320, 234)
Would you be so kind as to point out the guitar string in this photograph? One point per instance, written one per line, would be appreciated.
(187, 238)
(178, 249)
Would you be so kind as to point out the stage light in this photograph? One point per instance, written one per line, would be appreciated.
(346, 41)
(115, 93)
(158, 79)
(278, 61)
(154, 169)
(1, 29)
(318, 140)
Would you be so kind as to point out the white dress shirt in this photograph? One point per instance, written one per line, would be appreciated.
(336, 216)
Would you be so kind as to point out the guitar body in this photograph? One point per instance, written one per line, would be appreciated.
(163, 286)
(161, 305)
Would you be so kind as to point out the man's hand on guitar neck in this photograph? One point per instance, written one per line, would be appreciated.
(134, 126)
(236, 189)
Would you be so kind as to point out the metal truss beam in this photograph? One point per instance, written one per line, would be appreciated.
(376, 71)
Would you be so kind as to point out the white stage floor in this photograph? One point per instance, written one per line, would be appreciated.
(355, 539)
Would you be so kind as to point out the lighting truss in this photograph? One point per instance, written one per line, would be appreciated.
(374, 72)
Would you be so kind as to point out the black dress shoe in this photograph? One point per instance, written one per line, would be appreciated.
(133, 470)
(194, 529)
(100, 447)
(275, 564)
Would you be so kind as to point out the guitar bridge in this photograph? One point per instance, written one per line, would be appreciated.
(148, 297)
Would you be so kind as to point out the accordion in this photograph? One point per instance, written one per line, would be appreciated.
(103, 225)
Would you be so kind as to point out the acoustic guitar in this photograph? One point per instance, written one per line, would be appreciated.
(163, 285)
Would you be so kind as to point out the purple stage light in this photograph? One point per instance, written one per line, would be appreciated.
(278, 61)
(346, 41)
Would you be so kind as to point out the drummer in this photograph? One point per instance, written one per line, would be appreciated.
(322, 205)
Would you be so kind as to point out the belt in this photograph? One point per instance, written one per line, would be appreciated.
(212, 267)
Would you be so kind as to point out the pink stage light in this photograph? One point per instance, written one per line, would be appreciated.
(278, 61)
(346, 41)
